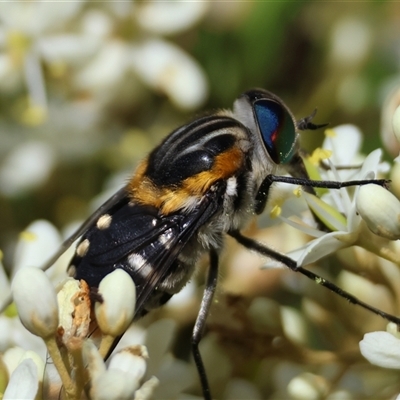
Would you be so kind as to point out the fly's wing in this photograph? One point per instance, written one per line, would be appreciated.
(104, 247)
(189, 224)
(119, 196)
(139, 240)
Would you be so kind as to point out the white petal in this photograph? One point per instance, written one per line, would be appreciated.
(106, 69)
(35, 82)
(36, 301)
(165, 67)
(26, 167)
(158, 340)
(36, 17)
(97, 24)
(36, 245)
(181, 299)
(68, 48)
(321, 247)
(93, 359)
(40, 366)
(370, 165)
(396, 123)
(164, 18)
(293, 325)
(382, 349)
(175, 377)
(23, 338)
(344, 145)
(5, 287)
(12, 358)
(115, 313)
(241, 389)
(351, 41)
(23, 382)
(329, 215)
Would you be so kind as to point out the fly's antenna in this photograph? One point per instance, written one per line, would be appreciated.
(306, 124)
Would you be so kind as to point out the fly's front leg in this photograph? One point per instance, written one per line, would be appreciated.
(251, 244)
(199, 326)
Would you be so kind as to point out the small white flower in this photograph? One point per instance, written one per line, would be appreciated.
(337, 208)
(165, 67)
(26, 167)
(129, 365)
(173, 376)
(122, 377)
(36, 301)
(350, 42)
(346, 230)
(36, 245)
(24, 26)
(131, 360)
(166, 18)
(106, 69)
(115, 313)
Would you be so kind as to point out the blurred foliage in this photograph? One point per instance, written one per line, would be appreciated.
(87, 92)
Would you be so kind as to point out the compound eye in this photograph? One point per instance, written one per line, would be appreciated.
(277, 129)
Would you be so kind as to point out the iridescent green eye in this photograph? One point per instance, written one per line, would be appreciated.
(277, 129)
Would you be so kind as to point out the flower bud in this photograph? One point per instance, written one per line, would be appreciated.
(36, 301)
(116, 312)
(131, 360)
(380, 210)
(113, 385)
(307, 386)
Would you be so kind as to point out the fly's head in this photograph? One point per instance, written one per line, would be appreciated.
(272, 129)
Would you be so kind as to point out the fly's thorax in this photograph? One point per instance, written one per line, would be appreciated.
(191, 162)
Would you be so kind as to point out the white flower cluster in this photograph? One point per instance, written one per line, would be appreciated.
(64, 327)
(366, 216)
(73, 62)
(63, 65)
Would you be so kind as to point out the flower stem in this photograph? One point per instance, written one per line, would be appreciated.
(55, 354)
(105, 344)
